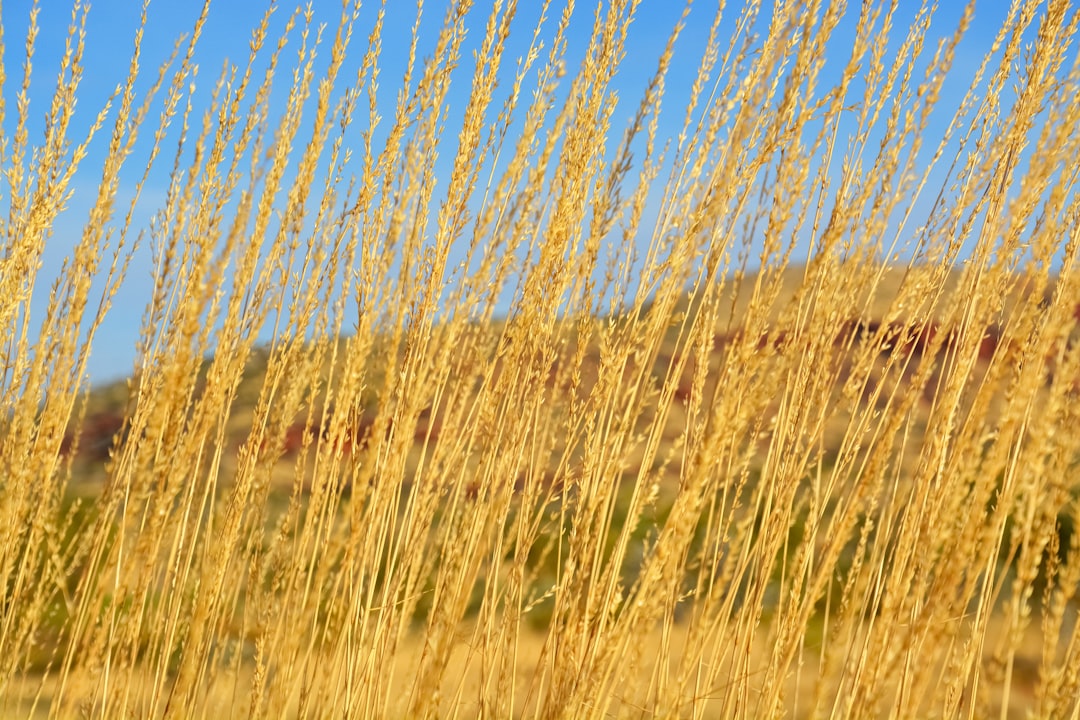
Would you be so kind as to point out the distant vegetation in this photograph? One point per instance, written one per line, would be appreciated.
(691, 472)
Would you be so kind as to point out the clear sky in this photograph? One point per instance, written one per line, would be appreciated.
(111, 25)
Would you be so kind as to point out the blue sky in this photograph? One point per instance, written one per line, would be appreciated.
(111, 25)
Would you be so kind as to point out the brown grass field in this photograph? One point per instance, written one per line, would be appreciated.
(687, 470)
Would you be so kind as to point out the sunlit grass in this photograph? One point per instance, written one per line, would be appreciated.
(524, 441)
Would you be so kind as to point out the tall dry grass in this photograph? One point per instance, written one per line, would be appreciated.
(687, 474)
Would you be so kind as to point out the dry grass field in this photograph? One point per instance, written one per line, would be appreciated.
(688, 469)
